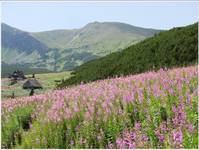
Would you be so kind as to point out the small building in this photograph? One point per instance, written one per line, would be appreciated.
(32, 84)
(17, 75)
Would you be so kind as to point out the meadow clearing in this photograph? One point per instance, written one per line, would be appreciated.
(148, 110)
(47, 80)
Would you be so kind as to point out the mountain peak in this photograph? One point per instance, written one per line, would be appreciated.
(93, 23)
(73, 47)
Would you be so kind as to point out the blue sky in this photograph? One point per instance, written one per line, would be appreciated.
(42, 16)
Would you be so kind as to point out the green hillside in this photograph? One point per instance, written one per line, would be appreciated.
(59, 50)
(176, 47)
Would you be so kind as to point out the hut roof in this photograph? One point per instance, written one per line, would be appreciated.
(17, 75)
(32, 84)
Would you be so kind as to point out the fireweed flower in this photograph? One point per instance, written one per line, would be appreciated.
(131, 146)
(72, 142)
(120, 143)
(174, 109)
(67, 113)
(180, 97)
(179, 115)
(177, 136)
(81, 141)
(140, 95)
(188, 100)
(190, 128)
(144, 138)
(128, 97)
(163, 127)
(159, 136)
(137, 126)
(171, 91)
(133, 136)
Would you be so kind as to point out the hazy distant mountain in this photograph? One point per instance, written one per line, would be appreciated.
(109, 35)
(65, 49)
(13, 38)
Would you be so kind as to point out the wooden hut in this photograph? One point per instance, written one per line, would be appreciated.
(17, 75)
(32, 84)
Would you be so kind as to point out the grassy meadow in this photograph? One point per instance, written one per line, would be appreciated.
(47, 80)
(157, 109)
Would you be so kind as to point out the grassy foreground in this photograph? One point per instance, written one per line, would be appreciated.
(47, 80)
(149, 110)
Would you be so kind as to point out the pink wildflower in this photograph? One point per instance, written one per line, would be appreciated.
(178, 136)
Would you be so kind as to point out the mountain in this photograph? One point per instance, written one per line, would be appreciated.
(19, 46)
(176, 47)
(59, 50)
(95, 36)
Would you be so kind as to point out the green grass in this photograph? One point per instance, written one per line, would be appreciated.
(47, 80)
